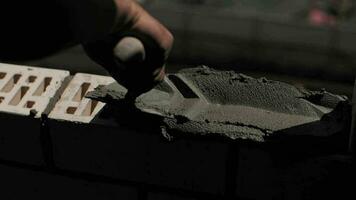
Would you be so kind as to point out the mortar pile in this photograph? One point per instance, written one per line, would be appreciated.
(205, 102)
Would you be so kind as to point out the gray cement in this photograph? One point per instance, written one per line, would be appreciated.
(203, 101)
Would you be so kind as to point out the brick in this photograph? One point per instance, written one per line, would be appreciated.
(98, 149)
(92, 143)
(325, 177)
(266, 171)
(257, 175)
(126, 154)
(96, 144)
(195, 165)
(23, 89)
(73, 106)
(19, 183)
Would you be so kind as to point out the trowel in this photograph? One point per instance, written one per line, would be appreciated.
(130, 51)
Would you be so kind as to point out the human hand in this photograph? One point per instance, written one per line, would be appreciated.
(136, 51)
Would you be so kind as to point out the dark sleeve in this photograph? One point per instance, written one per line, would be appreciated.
(32, 29)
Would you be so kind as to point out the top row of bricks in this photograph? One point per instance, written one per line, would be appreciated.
(24, 88)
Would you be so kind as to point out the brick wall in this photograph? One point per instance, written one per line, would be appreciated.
(71, 148)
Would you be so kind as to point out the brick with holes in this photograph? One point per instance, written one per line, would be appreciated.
(25, 94)
(73, 106)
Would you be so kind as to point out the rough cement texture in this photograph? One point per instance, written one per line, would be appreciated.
(203, 101)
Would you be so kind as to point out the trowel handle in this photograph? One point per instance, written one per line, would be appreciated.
(141, 67)
(130, 51)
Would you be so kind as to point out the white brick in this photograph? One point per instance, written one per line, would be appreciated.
(23, 88)
(73, 106)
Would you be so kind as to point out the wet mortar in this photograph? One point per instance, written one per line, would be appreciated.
(203, 101)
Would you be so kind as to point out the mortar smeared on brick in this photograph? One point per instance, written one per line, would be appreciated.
(204, 101)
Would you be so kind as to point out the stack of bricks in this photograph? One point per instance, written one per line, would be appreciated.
(66, 147)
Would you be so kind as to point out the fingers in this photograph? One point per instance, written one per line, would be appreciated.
(157, 43)
(135, 53)
(133, 18)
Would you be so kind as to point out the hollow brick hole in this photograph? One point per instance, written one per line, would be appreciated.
(89, 108)
(29, 104)
(83, 89)
(19, 95)
(2, 75)
(31, 79)
(43, 86)
(71, 110)
(11, 83)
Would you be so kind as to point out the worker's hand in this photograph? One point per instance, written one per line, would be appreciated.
(136, 51)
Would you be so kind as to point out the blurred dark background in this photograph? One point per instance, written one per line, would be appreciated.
(309, 43)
